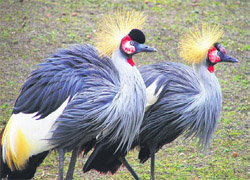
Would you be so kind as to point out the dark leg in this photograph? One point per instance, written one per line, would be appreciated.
(130, 169)
(152, 177)
(61, 160)
(72, 164)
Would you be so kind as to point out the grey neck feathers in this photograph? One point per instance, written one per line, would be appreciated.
(208, 104)
(130, 101)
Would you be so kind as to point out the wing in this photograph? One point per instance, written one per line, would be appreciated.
(183, 106)
(175, 88)
(100, 110)
(57, 79)
(90, 111)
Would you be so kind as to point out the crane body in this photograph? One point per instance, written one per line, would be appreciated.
(77, 96)
(193, 111)
(183, 112)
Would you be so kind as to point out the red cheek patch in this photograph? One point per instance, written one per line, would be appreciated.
(213, 56)
(126, 46)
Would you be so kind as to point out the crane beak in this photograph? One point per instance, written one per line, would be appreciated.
(226, 58)
(143, 48)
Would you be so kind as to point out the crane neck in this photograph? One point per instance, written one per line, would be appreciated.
(129, 75)
(207, 104)
(210, 88)
(131, 98)
(208, 79)
(120, 60)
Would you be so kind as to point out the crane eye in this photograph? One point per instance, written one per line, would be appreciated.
(132, 43)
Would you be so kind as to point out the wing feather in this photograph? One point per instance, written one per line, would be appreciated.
(58, 78)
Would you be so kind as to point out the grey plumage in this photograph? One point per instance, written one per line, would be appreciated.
(188, 103)
(98, 108)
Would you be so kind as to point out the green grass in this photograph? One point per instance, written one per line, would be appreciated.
(31, 30)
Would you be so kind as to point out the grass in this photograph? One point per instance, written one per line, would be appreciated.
(31, 30)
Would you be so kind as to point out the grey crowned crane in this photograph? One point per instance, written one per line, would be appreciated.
(79, 95)
(180, 100)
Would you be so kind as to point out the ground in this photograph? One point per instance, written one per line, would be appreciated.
(32, 29)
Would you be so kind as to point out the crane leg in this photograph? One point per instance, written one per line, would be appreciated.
(72, 164)
(130, 169)
(152, 176)
(61, 160)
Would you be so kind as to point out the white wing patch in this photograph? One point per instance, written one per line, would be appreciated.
(35, 132)
(151, 96)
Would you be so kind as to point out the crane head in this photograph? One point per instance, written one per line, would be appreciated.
(121, 29)
(194, 45)
(200, 45)
(133, 43)
(216, 54)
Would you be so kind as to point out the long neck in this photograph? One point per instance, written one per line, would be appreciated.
(210, 86)
(208, 79)
(129, 75)
(131, 98)
(209, 102)
(120, 61)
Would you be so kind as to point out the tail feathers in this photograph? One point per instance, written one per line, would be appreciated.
(87, 147)
(144, 154)
(103, 159)
(28, 172)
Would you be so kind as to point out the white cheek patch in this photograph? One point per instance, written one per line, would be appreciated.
(128, 48)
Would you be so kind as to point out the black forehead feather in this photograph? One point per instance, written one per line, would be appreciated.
(137, 35)
(217, 45)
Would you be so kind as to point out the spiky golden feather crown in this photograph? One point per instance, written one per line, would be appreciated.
(194, 45)
(114, 27)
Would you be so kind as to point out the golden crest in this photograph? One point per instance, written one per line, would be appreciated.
(194, 45)
(114, 27)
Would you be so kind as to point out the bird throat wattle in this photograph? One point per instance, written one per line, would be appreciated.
(211, 69)
(130, 61)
